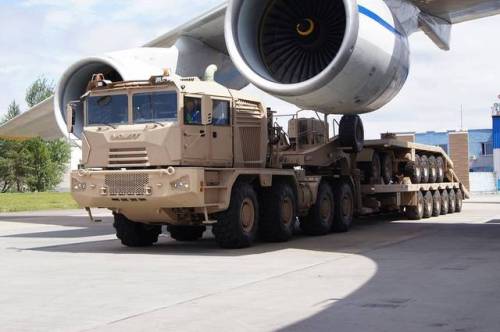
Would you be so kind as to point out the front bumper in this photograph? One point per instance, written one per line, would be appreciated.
(141, 195)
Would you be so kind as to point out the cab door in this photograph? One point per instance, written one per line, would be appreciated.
(221, 133)
(195, 146)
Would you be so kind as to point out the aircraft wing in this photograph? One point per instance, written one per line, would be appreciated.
(208, 28)
(424, 14)
(38, 121)
(457, 11)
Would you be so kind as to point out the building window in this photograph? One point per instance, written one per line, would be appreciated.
(444, 147)
(486, 149)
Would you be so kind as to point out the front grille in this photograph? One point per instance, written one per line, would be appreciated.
(128, 157)
(127, 184)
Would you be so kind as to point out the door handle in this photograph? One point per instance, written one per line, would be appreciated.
(214, 134)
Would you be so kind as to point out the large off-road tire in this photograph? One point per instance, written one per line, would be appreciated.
(387, 168)
(414, 171)
(440, 169)
(436, 204)
(459, 195)
(344, 207)
(452, 201)
(428, 205)
(352, 133)
(319, 220)
(432, 170)
(416, 212)
(424, 165)
(372, 170)
(237, 227)
(133, 234)
(186, 233)
(445, 202)
(278, 212)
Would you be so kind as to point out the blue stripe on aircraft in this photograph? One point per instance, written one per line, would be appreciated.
(365, 11)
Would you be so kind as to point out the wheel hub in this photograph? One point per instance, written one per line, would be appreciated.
(325, 208)
(287, 211)
(247, 215)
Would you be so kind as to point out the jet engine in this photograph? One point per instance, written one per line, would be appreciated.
(335, 56)
(188, 57)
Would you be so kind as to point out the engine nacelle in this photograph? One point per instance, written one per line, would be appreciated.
(189, 57)
(335, 56)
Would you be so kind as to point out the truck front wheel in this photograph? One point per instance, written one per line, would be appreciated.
(320, 218)
(186, 233)
(134, 234)
(237, 227)
(279, 211)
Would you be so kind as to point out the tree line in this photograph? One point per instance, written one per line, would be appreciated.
(34, 164)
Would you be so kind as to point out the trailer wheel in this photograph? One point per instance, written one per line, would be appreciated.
(237, 227)
(372, 169)
(320, 218)
(428, 205)
(186, 233)
(445, 202)
(432, 170)
(440, 169)
(453, 201)
(133, 234)
(344, 212)
(416, 212)
(424, 165)
(352, 133)
(279, 212)
(436, 204)
(387, 168)
(459, 200)
(413, 170)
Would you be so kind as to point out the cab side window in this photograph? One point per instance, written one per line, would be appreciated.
(221, 113)
(192, 111)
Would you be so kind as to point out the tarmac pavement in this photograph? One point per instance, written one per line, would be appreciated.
(59, 272)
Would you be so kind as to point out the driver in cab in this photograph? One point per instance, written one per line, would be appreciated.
(192, 111)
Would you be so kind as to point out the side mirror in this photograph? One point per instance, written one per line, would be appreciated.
(71, 110)
(206, 110)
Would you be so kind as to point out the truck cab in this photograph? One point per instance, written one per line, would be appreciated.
(147, 146)
(171, 122)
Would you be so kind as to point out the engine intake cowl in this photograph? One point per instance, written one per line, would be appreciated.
(335, 56)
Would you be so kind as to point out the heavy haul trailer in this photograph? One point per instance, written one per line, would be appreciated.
(187, 153)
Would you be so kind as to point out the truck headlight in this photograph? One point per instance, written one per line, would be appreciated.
(181, 184)
(77, 185)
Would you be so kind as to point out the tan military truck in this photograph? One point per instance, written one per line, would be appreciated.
(188, 153)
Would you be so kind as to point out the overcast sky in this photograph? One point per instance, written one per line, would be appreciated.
(43, 37)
